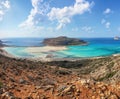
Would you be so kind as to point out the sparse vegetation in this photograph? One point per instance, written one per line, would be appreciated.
(107, 76)
(111, 65)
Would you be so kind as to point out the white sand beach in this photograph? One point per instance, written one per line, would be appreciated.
(44, 49)
(39, 53)
(5, 53)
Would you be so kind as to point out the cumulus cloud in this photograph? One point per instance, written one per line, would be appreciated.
(75, 29)
(41, 11)
(87, 29)
(64, 15)
(107, 11)
(103, 21)
(37, 14)
(4, 6)
(107, 25)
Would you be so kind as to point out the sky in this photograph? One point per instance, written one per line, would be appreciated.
(52, 18)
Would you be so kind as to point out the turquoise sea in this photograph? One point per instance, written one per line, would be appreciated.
(96, 47)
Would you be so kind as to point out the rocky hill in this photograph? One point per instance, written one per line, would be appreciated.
(82, 79)
(63, 41)
(1, 43)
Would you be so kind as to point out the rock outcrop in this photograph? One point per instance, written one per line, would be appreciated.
(1, 43)
(63, 41)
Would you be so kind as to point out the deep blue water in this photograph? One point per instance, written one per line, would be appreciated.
(96, 47)
(23, 42)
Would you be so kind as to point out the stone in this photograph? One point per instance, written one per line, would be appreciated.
(68, 89)
(61, 88)
(12, 79)
(8, 95)
(48, 81)
(29, 97)
(22, 81)
(1, 91)
(113, 97)
(48, 87)
(38, 87)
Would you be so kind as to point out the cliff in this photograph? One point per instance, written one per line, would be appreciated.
(63, 41)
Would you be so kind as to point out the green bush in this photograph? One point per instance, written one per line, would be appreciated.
(111, 65)
(107, 76)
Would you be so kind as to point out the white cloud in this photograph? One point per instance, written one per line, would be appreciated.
(75, 29)
(107, 11)
(103, 21)
(4, 6)
(107, 25)
(64, 15)
(88, 29)
(119, 29)
(41, 11)
(37, 13)
(63, 22)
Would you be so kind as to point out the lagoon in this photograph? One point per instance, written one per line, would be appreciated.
(96, 47)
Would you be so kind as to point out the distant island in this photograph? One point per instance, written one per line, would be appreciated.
(63, 41)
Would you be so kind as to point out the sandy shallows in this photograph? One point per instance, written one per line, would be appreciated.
(44, 49)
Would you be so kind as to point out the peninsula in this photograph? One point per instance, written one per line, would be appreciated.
(63, 41)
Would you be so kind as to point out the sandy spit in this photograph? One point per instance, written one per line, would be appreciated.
(43, 49)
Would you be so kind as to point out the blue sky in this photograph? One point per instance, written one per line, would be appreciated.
(48, 18)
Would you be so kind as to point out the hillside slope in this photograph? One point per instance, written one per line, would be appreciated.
(83, 79)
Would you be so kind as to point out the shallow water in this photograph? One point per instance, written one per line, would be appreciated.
(96, 47)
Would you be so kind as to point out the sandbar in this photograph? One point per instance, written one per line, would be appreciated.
(44, 49)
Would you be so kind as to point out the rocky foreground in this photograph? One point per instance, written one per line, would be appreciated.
(83, 79)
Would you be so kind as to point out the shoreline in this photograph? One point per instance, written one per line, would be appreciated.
(50, 59)
(33, 50)
(5, 53)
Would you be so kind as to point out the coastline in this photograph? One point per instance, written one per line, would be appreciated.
(5, 53)
(93, 49)
(48, 59)
(35, 50)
